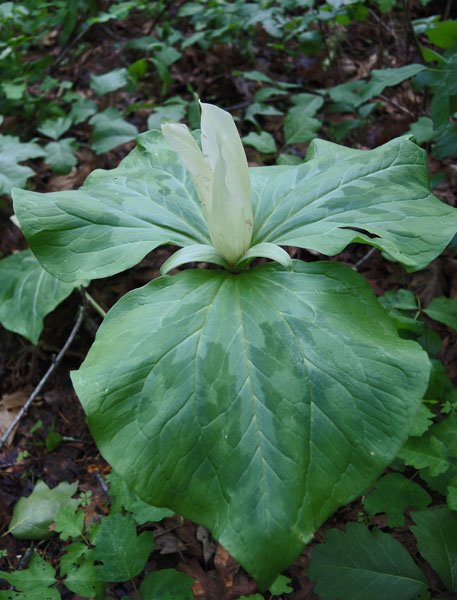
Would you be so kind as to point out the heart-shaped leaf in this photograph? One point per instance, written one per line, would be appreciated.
(255, 404)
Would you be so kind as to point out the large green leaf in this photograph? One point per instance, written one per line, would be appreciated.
(27, 294)
(436, 534)
(360, 565)
(255, 404)
(117, 217)
(379, 197)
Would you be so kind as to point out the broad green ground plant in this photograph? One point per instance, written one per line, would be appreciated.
(254, 399)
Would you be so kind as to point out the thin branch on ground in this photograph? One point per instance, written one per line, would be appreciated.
(55, 363)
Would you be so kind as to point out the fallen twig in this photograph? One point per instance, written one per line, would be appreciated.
(45, 378)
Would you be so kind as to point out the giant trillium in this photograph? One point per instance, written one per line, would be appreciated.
(253, 401)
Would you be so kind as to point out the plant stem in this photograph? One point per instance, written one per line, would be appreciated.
(95, 305)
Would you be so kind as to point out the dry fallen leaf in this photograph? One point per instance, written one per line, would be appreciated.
(10, 405)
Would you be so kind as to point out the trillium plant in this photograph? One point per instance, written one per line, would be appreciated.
(254, 400)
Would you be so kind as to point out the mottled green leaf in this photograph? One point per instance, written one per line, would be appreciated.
(362, 564)
(329, 202)
(393, 494)
(436, 534)
(27, 294)
(443, 310)
(121, 551)
(167, 584)
(286, 432)
(117, 217)
(33, 515)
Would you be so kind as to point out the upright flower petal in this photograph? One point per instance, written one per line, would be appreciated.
(220, 135)
(182, 142)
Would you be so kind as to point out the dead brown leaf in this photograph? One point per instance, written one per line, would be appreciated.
(10, 405)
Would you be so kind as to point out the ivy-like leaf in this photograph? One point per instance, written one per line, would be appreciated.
(435, 531)
(33, 515)
(392, 495)
(361, 564)
(27, 294)
(338, 196)
(122, 553)
(255, 404)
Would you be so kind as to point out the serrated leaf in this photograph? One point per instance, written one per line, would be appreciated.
(281, 585)
(61, 155)
(38, 574)
(77, 566)
(324, 204)
(167, 584)
(55, 128)
(263, 142)
(122, 553)
(422, 421)
(33, 515)
(123, 497)
(443, 310)
(435, 532)
(363, 564)
(393, 494)
(27, 294)
(109, 82)
(111, 130)
(69, 523)
(300, 128)
(426, 452)
(255, 355)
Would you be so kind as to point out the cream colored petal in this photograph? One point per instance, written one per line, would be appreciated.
(229, 232)
(219, 131)
(181, 141)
